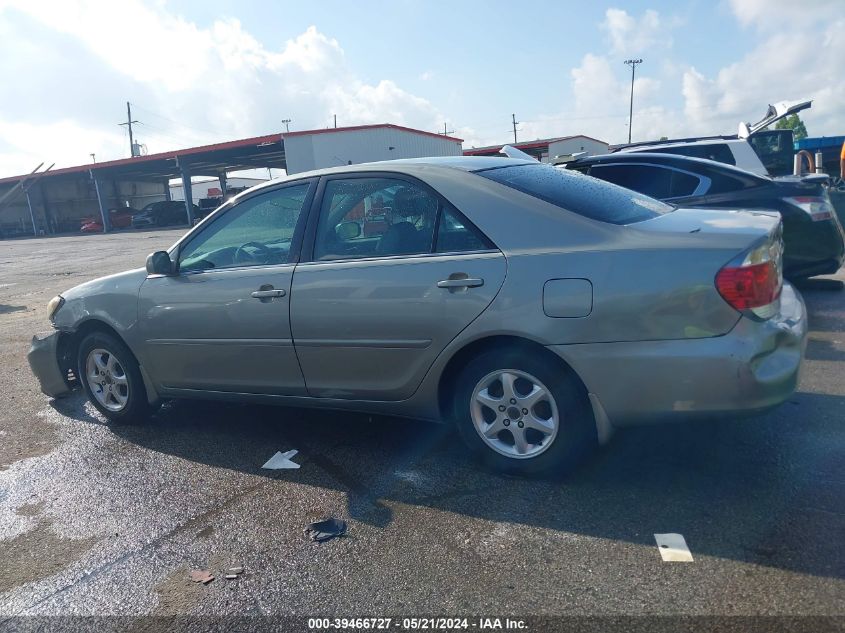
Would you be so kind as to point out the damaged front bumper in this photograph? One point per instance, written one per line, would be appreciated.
(44, 361)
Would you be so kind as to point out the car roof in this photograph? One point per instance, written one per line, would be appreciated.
(401, 165)
(651, 145)
(689, 163)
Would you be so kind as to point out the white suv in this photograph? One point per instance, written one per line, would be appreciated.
(753, 148)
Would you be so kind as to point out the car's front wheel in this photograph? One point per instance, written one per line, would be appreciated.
(112, 379)
(522, 414)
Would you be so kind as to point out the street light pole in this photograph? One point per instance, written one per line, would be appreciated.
(633, 64)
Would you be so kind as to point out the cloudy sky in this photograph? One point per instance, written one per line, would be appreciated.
(200, 71)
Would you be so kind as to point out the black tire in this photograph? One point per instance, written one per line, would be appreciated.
(576, 436)
(136, 408)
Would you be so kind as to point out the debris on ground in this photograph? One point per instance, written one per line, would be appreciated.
(202, 575)
(324, 530)
(234, 573)
(281, 460)
(673, 548)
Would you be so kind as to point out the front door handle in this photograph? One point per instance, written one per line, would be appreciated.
(465, 282)
(268, 293)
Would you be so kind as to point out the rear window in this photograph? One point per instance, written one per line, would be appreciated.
(590, 197)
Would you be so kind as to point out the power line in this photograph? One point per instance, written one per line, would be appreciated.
(175, 122)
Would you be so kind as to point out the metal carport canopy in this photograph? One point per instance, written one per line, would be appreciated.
(206, 160)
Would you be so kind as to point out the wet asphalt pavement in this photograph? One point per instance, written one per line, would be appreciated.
(99, 520)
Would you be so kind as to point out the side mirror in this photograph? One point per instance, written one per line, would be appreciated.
(159, 263)
(348, 230)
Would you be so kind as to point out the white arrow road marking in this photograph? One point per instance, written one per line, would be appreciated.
(673, 548)
(281, 460)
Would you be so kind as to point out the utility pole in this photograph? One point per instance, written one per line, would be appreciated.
(515, 123)
(93, 157)
(335, 121)
(287, 124)
(129, 123)
(633, 64)
(446, 131)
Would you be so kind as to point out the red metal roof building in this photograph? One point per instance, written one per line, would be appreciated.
(549, 148)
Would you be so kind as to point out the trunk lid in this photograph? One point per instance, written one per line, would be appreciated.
(731, 227)
(774, 113)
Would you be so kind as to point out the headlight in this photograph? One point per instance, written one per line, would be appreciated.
(54, 305)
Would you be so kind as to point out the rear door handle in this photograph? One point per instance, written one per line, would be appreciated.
(466, 282)
(268, 294)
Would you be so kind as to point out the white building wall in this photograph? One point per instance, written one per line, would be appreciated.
(577, 144)
(199, 189)
(331, 149)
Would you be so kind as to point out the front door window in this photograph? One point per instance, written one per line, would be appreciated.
(256, 232)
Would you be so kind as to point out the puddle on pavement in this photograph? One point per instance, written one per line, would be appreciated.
(37, 554)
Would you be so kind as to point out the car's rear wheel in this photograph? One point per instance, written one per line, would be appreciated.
(524, 415)
(112, 379)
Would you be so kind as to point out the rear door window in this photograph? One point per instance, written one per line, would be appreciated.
(456, 235)
(652, 181)
(579, 194)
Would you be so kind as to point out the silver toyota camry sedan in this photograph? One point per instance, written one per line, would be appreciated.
(533, 308)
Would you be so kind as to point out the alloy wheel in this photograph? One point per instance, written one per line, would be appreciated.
(514, 413)
(107, 379)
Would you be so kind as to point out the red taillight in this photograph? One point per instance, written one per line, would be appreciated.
(752, 282)
(750, 286)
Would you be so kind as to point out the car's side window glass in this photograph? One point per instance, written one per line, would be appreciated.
(646, 179)
(455, 235)
(255, 232)
(374, 217)
(682, 184)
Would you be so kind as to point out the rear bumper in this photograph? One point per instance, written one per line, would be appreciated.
(44, 361)
(752, 368)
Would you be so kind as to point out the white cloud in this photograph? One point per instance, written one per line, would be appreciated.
(789, 63)
(428, 75)
(767, 14)
(795, 53)
(601, 87)
(633, 36)
(74, 65)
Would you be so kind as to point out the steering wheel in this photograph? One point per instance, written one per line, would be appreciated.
(261, 256)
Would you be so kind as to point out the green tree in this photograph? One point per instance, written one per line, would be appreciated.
(793, 122)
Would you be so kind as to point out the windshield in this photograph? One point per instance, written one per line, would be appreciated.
(584, 195)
